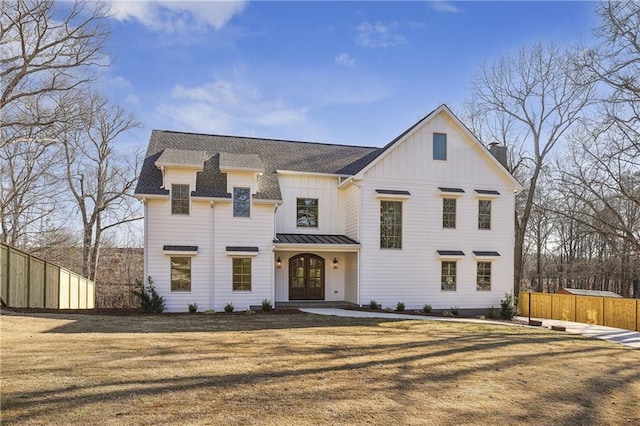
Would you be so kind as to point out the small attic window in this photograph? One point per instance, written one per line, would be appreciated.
(440, 146)
(179, 199)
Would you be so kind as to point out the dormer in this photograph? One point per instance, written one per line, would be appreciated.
(242, 170)
(180, 166)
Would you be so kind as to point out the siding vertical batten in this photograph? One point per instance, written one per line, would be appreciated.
(211, 257)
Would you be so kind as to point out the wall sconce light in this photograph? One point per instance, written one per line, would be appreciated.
(278, 263)
(335, 263)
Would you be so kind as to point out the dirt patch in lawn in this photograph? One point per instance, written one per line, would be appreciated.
(306, 369)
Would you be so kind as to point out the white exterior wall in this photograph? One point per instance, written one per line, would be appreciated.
(330, 204)
(412, 274)
(163, 228)
(254, 231)
(351, 196)
(351, 278)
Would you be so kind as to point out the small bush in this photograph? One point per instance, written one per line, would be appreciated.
(480, 317)
(491, 312)
(210, 311)
(373, 304)
(447, 314)
(454, 311)
(150, 301)
(249, 311)
(400, 306)
(508, 307)
(266, 305)
(193, 308)
(426, 308)
(229, 307)
(388, 309)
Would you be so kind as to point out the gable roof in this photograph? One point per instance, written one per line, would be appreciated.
(267, 156)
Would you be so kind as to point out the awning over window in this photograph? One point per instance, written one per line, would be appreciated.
(242, 251)
(315, 242)
(181, 250)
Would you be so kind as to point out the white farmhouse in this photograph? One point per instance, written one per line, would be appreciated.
(426, 219)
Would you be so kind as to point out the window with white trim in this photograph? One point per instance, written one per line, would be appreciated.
(484, 276)
(484, 214)
(448, 276)
(390, 224)
(448, 212)
(307, 212)
(439, 146)
(179, 199)
(180, 274)
(241, 202)
(241, 274)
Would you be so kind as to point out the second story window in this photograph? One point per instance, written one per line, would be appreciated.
(448, 212)
(484, 214)
(439, 146)
(390, 224)
(241, 202)
(307, 212)
(179, 199)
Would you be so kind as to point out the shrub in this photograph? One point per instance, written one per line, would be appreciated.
(229, 307)
(249, 311)
(508, 306)
(491, 312)
(447, 314)
(426, 308)
(400, 306)
(210, 311)
(150, 301)
(373, 304)
(388, 309)
(193, 308)
(454, 311)
(266, 305)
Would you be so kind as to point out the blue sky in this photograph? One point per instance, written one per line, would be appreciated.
(343, 72)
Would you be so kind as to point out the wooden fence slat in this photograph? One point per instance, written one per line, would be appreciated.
(589, 309)
(541, 305)
(18, 279)
(620, 313)
(74, 291)
(64, 289)
(36, 282)
(4, 273)
(563, 307)
(52, 295)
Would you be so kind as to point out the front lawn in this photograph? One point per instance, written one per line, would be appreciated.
(306, 369)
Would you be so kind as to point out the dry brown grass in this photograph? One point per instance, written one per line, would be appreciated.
(306, 369)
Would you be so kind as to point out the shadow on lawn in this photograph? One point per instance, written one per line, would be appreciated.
(494, 347)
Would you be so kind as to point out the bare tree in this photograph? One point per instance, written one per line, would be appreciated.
(541, 94)
(99, 177)
(46, 51)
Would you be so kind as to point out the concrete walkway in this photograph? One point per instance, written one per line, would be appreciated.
(615, 335)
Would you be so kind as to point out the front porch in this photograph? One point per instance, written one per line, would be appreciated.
(315, 269)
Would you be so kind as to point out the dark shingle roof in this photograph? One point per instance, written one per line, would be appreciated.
(242, 249)
(486, 253)
(487, 191)
(456, 190)
(450, 252)
(234, 161)
(179, 248)
(272, 154)
(313, 239)
(176, 157)
(392, 192)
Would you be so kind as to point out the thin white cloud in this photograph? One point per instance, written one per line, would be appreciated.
(178, 17)
(345, 60)
(377, 35)
(444, 6)
(228, 107)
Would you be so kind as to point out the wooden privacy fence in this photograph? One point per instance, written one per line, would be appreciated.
(607, 311)
(29, 282)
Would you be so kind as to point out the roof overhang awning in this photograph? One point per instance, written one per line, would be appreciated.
(180, 250)
(315, 242)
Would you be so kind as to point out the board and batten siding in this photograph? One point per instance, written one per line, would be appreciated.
(193, 229)
(412, 274)
(330, 205)
(254, 231)
(351, 195)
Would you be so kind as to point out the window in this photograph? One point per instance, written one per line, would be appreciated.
(448, 280)
(484, 276)
(439, 146)
(179, 199)
(448, 212)
(241, 274)
(241, 202)
(307, 212)
(390, 224)
(180, 274)
(484, 214)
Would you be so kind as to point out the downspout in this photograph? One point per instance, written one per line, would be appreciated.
(146, 240)
(211, 258)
